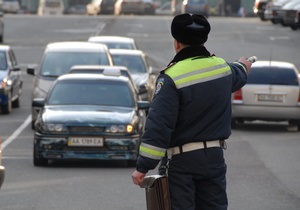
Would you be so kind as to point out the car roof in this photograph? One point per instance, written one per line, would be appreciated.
(76, 46)
(281, 64)
(83, 76)
(110, 39)
(107, 70)
(4, 47)
(126, 52)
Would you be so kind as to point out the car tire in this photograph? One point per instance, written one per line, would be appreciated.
(295, 123)
(294, 27)
(37, 160)
(1, 38)
(6, 109)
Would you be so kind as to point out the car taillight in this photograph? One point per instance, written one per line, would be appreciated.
(237, 95)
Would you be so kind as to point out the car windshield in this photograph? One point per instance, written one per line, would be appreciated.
(269, 75)
(91, 92)
(133, 63)
(58, 63)
(3, 64)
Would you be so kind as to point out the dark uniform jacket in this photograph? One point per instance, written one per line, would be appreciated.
(192, 103)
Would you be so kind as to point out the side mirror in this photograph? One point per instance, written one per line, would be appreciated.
(31, 69)
(144, 105)
(16, 68)
(38, 102)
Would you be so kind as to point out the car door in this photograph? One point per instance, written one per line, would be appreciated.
(15, 74)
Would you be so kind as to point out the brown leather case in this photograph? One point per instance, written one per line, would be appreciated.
(157, 192)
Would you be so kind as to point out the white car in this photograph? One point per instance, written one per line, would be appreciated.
(141, 73)
(58, 59)
(115, 42)
(272, 93)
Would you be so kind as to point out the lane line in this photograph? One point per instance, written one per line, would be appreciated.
(16, 133)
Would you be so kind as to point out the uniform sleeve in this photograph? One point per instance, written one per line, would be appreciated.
(239, 75)
(160, 124)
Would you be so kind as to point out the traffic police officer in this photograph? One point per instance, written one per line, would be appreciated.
(190, 117)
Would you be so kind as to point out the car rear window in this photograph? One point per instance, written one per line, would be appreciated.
(271, 75)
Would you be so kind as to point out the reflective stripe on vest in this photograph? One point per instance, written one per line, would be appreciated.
(193, 71)
(151, 151)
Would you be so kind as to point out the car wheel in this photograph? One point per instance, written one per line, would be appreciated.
(294, 27)
(295, 123)
(6, 109)
(37, 160)
(1, 38)
(233, 123)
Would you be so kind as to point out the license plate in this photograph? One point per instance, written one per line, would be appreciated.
(269, 97)
(85, 141)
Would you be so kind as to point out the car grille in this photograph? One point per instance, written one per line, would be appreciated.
(85, 129)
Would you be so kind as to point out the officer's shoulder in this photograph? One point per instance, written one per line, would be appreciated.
(169, 66)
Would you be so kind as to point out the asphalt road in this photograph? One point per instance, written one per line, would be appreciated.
(262, 158)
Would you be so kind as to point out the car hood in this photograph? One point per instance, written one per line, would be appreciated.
(140, 78)
(73, 114)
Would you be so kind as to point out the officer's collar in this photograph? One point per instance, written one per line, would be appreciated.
(190, 51)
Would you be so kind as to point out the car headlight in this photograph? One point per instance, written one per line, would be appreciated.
(54, 128)
(119, 129)
(5, 82)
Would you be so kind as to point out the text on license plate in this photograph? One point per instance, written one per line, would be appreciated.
(85, 141)
(269, 97)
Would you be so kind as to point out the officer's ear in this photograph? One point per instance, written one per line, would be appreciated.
(177, 46)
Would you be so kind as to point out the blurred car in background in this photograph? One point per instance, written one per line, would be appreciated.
(89, 117)
(58, 58)
(107, 6)
(11, 6)
(51, 7)
(77, 9)
(164, 9)
(142, 7)
(115, 42)
(11, 80)
(93, 8)
(272, 93)
(136, 62)
(291, 14)
(2, 169)
(271, 10)
(195, 7)
(259, 8)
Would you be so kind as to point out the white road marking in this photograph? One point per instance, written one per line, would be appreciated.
(16, 133)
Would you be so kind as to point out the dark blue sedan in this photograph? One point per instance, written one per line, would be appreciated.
(89, 117)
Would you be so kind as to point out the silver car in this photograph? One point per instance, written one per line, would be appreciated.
(137, 64)
(272, 93)
(58, 59)
(115, 42)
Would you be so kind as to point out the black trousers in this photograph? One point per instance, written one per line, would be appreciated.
(198, 180)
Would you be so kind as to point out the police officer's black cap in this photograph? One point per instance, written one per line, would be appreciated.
(190, 29)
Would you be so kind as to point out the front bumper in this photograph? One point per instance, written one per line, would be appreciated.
(56, 148)
(2, 175)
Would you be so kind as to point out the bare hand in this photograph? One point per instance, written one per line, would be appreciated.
(246, 63)
(137, 177)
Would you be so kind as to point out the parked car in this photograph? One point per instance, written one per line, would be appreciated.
(259, 8)
(2, 168)
(51, 7)
(11, 80)
(77, 9)
(164, 9)
(136, 62)
(195, 7)
(272, 93)
(1, 27)
(89, 117)
(142, 7)
(107, 6)
(291, 14)
(271, 10)
(11, 6)
(115, 42)
(57, 60)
